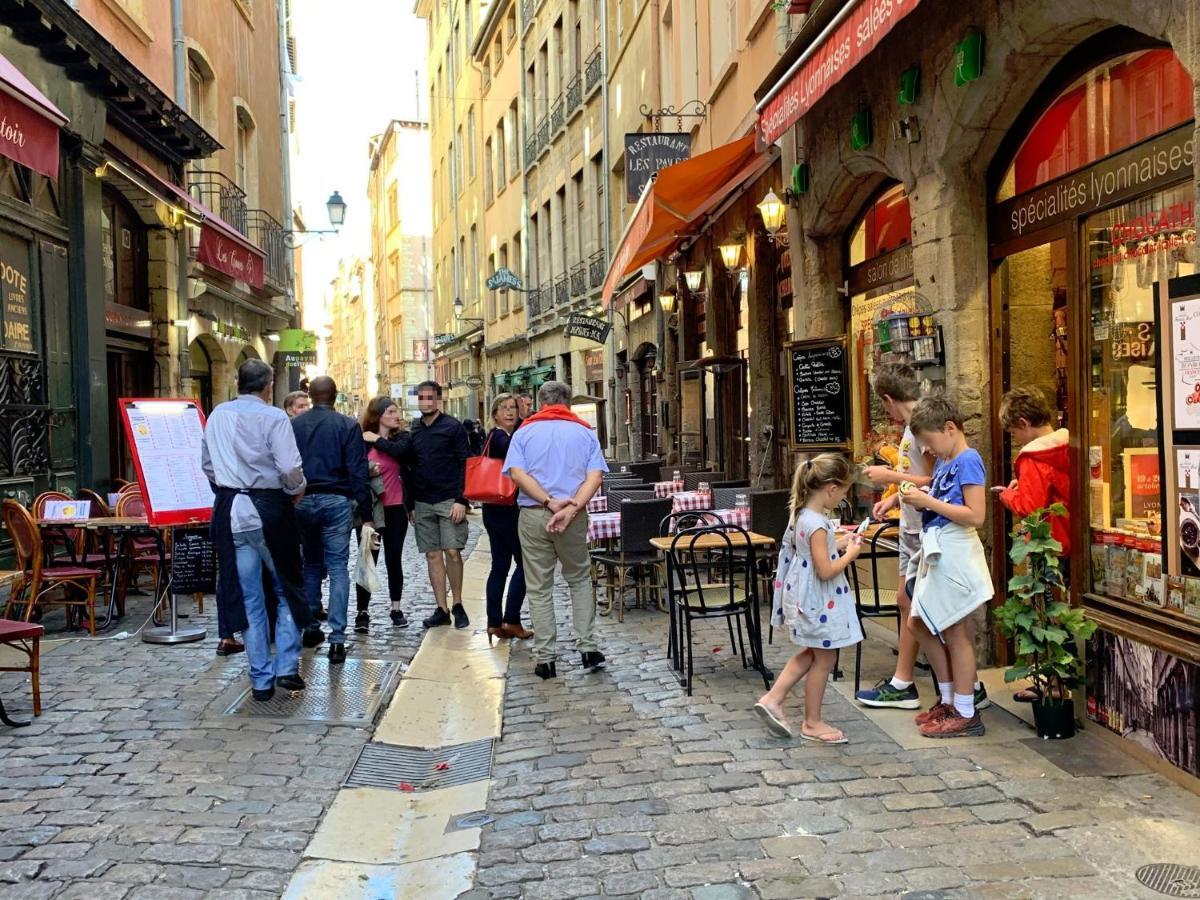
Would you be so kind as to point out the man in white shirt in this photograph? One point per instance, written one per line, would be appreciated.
(249, 454)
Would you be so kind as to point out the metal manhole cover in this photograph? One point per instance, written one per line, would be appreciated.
(388, 766)
(346, 694)
(1171, 879)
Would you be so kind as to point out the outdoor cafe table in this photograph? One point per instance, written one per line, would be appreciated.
(125, 529)
(748, 539)
(667, 488)
(607, 526)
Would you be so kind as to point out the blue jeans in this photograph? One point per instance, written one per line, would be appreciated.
(250, 549)
(326, 521)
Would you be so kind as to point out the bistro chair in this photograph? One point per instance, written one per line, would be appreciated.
(691, 480)
(23, 637)
(65, 539)
(145, 558)
(769, 515)
(714, 585)
(118, 483)
(99, 504)
(742, 483)
(617, 496)
(608, 483)
(634, 553)
(646, 470)
(872, 601)
(39, 581)
(726, 497)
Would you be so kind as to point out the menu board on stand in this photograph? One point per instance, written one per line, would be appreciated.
(819, 388)
(165, 437)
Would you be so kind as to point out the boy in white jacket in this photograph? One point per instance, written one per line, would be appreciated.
(949, 578)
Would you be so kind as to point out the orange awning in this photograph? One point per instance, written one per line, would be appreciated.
(674, 205)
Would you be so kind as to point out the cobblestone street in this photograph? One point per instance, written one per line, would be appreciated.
(133, 784)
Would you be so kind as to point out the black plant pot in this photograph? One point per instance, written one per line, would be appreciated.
(1055, 719)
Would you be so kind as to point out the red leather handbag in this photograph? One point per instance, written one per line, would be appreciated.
(486, 481)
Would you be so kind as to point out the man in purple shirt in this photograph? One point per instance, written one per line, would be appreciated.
(556, 461)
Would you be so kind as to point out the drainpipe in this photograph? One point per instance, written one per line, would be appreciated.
(611, 360)
(183, 300)
(179, 51)
(285, 152)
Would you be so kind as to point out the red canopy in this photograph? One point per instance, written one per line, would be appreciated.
(674, 205)
(29, 122)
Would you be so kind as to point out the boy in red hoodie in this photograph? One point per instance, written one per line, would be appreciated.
(1042, 468)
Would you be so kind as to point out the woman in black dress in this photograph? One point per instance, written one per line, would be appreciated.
(504, 619)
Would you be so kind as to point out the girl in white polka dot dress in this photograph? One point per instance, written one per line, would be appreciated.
(812, 595)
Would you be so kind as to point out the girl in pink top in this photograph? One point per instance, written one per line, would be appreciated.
(382, 419)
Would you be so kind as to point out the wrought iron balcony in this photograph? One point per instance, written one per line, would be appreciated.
(531, 149)
(557, 117)
(543, 135)
(561, 290)
(265, 231)
(574, 93)
(579, 279)
(594, 69)
(547, 296)
(221, 195)
(597, 268)
(533, 303)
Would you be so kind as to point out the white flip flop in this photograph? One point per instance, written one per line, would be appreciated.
(774, 725)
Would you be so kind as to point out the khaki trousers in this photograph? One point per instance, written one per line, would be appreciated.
(540, 551)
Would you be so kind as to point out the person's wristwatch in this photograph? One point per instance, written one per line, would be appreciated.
(546, 502)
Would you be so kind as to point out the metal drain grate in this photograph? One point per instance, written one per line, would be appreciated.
(346, 694)
(1170, 879)
(388, 766)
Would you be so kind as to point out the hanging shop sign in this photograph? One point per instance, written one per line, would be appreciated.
(819, 385)
(298, 340)
(223, 253)
(645, 154)
(29, 122)
(1149, 166)
(820, 70)
(231, 330)
(445, 339)
(14, 289)
(592, 329)
(126, 319)
(593, 366)
(504, 280)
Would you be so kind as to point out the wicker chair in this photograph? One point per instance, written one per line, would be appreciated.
(39, 582)
(634, 554)
(726, 497)
(646, 470)
(618, 496)
(742, 483)
(692, 480)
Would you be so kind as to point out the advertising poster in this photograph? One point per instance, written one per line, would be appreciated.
(1145, 695)
(1185, 363)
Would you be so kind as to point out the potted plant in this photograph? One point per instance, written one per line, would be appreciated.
(1046, 629)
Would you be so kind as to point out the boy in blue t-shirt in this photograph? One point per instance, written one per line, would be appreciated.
(946, 590)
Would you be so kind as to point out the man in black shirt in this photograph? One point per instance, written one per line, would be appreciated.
(435, 450)
(335, 464)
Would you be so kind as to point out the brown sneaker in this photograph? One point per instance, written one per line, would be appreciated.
(952, 725)
(935, 712)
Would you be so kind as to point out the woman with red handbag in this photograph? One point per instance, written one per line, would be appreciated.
(392, 505)
(500, 520)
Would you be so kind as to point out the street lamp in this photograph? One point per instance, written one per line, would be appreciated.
(335, 207)
(694, 278)
(458, 314)
(667, 301)
(772, 210)
(731, 254)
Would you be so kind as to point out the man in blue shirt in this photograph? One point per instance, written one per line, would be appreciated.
(556, 461)
(335, 464)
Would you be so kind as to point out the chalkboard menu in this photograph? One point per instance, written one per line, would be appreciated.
(819, 382)
(193, 563)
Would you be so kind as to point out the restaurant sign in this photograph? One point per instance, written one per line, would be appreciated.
(224, 254)
(504, 280)
(587, 327)
(14, 290)
(646, 154)
(1149, 166)
(882, 270)
(857, 36)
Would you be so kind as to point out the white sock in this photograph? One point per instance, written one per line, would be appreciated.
(900, 685)
(979, 685)
(964, 705)
(946, 689)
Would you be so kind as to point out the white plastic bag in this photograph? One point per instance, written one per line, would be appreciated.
(365, 575)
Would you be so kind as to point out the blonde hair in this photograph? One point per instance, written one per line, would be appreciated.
(500, 398)
(818, 472)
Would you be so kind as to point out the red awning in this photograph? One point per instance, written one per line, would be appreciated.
(29, 122)
(674, 205)
(222, 246)
(853, 33)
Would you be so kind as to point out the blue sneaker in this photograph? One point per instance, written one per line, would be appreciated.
(884, 694)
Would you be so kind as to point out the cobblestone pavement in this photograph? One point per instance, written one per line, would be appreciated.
(131, 784)
(617, 784)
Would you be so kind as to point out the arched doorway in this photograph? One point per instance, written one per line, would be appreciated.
(645, 357)
(206, 365)
(1092, 213)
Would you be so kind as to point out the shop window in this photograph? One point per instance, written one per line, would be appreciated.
(123, 248)
(1113, 106)
(1130, 248)
(886, 225)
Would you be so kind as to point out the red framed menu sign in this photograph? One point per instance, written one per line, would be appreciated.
(165, 436)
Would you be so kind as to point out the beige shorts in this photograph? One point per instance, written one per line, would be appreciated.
(435, 531)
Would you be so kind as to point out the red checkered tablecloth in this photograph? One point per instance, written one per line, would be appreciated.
(685, 500)
(667, 488)
(598, 504)
(607, 526)
(604, 526)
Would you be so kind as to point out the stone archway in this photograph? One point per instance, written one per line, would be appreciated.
(207, 372)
